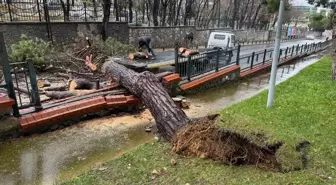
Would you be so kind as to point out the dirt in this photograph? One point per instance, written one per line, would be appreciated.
(205, 139)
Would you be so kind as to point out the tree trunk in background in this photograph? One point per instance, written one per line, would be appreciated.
(255, 16)
(168, 116)
(178, 13)
(156, 6)
(235, 12)
(116, 9)
(106, 10)
(66, 10)
(130, 10)
(164, 12)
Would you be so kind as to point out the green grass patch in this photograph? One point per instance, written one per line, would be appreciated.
(304, 110)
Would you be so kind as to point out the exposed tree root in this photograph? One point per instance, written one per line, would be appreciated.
(205, 139)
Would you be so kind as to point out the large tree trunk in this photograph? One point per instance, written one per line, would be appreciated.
(169, 118)
(199, 137)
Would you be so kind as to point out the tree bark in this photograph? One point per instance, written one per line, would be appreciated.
(83, 84)
(169, 118)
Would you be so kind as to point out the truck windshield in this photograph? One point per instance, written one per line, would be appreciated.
(219, 37)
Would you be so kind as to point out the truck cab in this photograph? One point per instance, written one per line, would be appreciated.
(221, 40)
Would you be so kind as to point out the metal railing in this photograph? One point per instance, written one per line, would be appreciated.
(40, 10)
(215, 59)
(20, 82)
(195, 65)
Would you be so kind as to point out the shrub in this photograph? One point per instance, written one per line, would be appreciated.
(26, 49)
(112, 47)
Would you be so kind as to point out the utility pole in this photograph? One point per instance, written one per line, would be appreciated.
(271, 91)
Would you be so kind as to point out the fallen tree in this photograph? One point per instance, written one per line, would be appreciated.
(200, 137)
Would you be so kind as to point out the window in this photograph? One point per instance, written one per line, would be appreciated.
(219, 37)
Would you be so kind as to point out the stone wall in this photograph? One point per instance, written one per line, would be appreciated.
(62, 32)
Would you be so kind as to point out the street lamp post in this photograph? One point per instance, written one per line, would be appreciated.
(271, 91)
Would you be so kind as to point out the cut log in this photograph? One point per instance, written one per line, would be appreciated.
(64, 75)
(42, 83)
(21, 90)
(56, 88)
(187, 52)
(169, 117)
(65, 94)
(138, 55)
(82, 84)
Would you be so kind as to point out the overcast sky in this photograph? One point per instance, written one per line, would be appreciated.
(300, 3)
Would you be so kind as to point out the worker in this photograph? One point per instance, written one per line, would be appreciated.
(146, 41)
(189, 38)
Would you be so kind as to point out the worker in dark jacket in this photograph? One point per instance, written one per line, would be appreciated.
(146, 41)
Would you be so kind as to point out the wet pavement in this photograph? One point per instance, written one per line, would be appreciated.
(62, 154)
(167, 57)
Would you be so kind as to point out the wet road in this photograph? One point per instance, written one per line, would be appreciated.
(62, 154)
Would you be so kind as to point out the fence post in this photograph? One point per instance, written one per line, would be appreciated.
(189, 68)
(306, 47)
(9, 11)
(177, 67)
(292, 50)
(280, 53)
(238, 55)
(85, 12)
(301, 48)
(7, 75)
(34, 91)
(38, 10)
(264, 58)
(252, 59)
(297, 49)
(286, 52)
(217, 59)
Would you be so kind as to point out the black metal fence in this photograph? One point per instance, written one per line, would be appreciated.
(41, 10)
(213, 60)
(20, 82)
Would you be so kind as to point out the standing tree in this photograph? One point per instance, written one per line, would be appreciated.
(106, 10)
(66, 9)
(331, 4)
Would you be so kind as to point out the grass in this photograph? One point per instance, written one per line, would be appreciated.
(304, 110)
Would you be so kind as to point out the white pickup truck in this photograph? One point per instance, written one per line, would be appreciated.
(221, 40)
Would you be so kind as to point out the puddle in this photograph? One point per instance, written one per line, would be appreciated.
(214, 99)
(60, 155)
